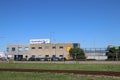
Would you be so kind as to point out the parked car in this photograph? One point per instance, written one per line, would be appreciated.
(38, 59)
(31, 59)
(62, 59)
(42, 59)
(55, 59)
(46, 59)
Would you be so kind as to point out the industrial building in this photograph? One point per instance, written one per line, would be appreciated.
(40, 48)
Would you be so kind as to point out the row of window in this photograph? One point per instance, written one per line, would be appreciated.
(47, 47)
(18, 49)
(27, 48)
(33, 56)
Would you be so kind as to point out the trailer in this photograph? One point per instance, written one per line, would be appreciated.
(3, 57)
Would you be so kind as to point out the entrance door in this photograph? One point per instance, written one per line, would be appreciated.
(18, 57)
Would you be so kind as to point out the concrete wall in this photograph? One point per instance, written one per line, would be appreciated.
(20, 49)
(97, 57)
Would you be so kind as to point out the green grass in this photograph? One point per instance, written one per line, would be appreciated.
(53, 66)
(56, 76)
(49, 76)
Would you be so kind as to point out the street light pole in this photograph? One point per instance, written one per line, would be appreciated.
(50, 44)
(116, 52)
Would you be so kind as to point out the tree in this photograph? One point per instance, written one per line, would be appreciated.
(77, 53)
(113, 53)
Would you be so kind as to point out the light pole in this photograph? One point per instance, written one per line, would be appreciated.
(116, 52)
(50, 46)
(51, 34)
(50, 50)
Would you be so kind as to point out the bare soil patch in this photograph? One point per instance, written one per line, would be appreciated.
(64, 71)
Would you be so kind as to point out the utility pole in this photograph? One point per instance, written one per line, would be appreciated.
(50, 49)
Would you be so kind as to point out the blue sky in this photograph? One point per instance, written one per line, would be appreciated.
(88, 22)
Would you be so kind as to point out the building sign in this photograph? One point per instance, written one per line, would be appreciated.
(39, 41)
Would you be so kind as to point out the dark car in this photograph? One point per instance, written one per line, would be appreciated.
(31, 59)
(46, 59)
(38, 59)
(55, 59)
(63, 59)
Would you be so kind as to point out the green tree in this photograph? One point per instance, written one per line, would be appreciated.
(77, 53)
(113, 53)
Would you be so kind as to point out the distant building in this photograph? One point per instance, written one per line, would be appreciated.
(40, 48)
(96, 53)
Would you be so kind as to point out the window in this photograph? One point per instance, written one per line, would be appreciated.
(33, 47)
(33, 56)
(75, 45)
(13, 48)
(60, 55)
(53, 47)
(39, 56)
(61, 47)
(39, 47)
(26, 49)
(46, 55)
(7, 49)
(19, 48)
(53, 55)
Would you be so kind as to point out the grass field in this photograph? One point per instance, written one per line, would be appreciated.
(49, 76)
(84, 67)
(56, 76)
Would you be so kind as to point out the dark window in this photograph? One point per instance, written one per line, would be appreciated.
(13, 48)
(33, 56)
(46, 55)
(53, 47)
(39, 47)
(53, 55)
(75, 45)
(33, 47)
(61, 47)
(60, 55)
